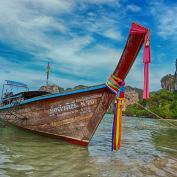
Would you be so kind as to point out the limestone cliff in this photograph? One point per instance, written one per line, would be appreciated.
(132, 95)
(52, 88)
(169, 82)
(175, 79)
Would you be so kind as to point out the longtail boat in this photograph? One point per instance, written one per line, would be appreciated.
(72, 116)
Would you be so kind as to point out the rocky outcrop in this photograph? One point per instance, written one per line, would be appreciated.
(175, 79)
(76, 87)
(169, 82)
(132, 95)
(51, 88)
(58, 89)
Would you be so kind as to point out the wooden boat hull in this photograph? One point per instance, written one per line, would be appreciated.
(72, 116)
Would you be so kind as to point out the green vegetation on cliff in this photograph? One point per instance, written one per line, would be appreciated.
(162, 103)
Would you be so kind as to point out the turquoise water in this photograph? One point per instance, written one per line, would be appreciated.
(149, 148)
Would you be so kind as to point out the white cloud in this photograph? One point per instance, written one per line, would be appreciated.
(102, 1)
(26, 26)
(100, 23)
(165, 17)
(135, 77)
(35, 79)
(133, 8)
(49, 7)
(116, 35)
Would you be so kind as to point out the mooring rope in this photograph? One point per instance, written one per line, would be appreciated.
(148, 110)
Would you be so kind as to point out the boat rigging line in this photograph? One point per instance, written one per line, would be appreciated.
(148, 110)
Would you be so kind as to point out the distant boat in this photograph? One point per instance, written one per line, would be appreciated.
(73, 115)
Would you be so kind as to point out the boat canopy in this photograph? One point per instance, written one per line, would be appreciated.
(10, 87)
(14, 83)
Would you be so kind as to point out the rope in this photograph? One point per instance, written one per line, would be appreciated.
(148, 110)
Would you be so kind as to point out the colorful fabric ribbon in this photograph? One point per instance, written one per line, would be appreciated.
(113, 83)
(117, 86)
(117, 123)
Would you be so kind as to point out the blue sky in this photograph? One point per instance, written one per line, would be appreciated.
(83, 40)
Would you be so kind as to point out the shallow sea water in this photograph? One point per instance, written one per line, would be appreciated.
(149, 148)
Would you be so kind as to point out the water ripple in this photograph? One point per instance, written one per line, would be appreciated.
(149, 148)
